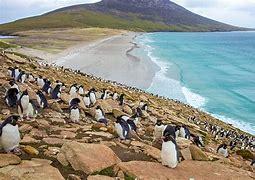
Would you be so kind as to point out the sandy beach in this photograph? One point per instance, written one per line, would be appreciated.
(110, 58)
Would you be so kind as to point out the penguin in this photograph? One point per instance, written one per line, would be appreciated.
(115, 96)
(40, 81)
(92, 96)
(22, 77)
(105, 94)
(41, 100)
(74, 102)
(9, 134)
(16, 73)
(30, 78)
(131, 123)
(81, 90)
(121, 100)
(75, 114)
(47, 87)
(198, 140)
(253, 163)
(11, 72)
(86, 100)
(169, 151)
(31, 111)
(144, 107)
(222, 150)
(122, 128)
(158, 130)
(23, 103)
(14, 85)
(11, 97)
(172, 130)
(100, 116)
(139, 112)
(73, 90)
(56, 92)
(184, 132)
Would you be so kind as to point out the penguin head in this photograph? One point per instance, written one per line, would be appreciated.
(177, 128)
(159, 122)
(92, 90)
(25, 93)
(12, 120)
(224, 146)
(168, 137)
(11, 83)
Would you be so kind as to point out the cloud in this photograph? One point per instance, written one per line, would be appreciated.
(235, 12)
(15, 9)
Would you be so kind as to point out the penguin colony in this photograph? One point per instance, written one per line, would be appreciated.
(125, 126)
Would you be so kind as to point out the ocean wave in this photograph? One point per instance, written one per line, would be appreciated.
(245, 126)
(193, 99)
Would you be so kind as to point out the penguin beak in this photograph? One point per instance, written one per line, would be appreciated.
(163, 137)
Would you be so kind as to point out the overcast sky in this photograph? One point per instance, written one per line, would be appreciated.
(235, 12)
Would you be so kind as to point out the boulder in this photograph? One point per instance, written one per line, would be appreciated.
(53, 141)
(9, 159)
(29, 140)
(99, 177)
(186, 154)
(56, 107)
(127, 110)
(33, 169)
(117, 113)
(144, 170)
(89, 158)
(197, 154)
(183, 143)
(30, 150)
(106, 105)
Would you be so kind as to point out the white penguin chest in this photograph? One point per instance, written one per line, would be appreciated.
(169, 154)
(99, 114)
(10, 137)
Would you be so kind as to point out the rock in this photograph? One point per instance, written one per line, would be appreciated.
(99, 177)
(54, 150)
(89, 158)
(57, 120)
(144, 170)
(67, 134)
(186, 154)
(73, 177)
(153, 152)
(30, 150)
(62, 159)
(183, 143)
(105, 105)
(96, 126)
(5, 112)
(117, 113)
(103, 134)
(25, 128)
(38, 133)
(34, 169)
(127, 110)
(9, 159)
(246, 154)
(29, 140)
(138, 144)
(197, 154)
(56, 107)
(53, 141)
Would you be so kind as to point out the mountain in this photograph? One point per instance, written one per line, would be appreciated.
(136, 15)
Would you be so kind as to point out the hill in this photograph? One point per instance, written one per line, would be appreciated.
(53, 147)
(134, 15)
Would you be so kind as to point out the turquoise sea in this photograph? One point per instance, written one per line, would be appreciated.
(214, 72)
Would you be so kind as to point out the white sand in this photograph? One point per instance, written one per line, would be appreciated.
(111, 59)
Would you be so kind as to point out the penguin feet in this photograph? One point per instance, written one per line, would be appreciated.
(17, 151)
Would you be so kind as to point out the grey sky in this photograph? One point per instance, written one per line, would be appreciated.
(236, 12)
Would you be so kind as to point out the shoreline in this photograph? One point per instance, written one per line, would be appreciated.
(97, 58)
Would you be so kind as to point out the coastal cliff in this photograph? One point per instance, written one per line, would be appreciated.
(54, 148)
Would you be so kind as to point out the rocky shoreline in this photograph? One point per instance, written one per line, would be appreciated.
(54, 148)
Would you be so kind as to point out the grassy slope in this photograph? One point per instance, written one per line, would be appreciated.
(84, 19)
